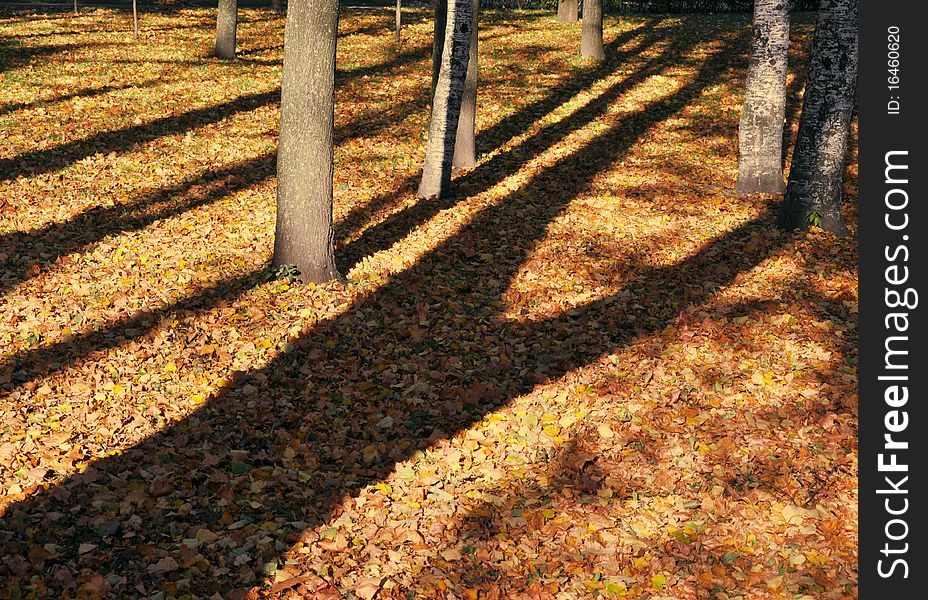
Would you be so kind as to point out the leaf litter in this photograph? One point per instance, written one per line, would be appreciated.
(592, 372)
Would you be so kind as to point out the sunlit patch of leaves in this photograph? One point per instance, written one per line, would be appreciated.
(713, 452)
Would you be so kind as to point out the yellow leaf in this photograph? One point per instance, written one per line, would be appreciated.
(816, 558)
(659, 581)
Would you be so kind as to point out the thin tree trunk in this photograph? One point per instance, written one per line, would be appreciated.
(304, 235)
(399, 20)
(226, 23)
(446, 103)
(438, 40)
(816, 178)
(275, 5)
(465, 148)
(591, 43)
(75, 7)
(567, 11)
(135, 20)
(760, 136)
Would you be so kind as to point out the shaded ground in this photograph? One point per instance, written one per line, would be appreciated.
(591, 371)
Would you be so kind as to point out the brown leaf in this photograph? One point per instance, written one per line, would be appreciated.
(165, 565)
(367, 587)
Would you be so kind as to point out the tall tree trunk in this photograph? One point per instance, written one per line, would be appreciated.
(567, 11)
(75, 7)
(760, 136)
(438, 39)
(304, 235)
(465, 147)
(399, 19)
(816, 178)
(226, 23)
(275, 5)
(135, 20)
(446, 103)
(591, 44)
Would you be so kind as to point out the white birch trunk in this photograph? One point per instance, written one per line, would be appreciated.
(760, 135)
(816, 178)
(465, 145)
(446, 103)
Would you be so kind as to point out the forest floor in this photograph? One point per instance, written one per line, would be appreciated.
(591, 371)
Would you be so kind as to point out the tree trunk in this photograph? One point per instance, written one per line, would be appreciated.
(304, 236)
(591, 44)
(446, 103)
(75, 7)
(275, 5)
(399, 19)
(760, 136)
(816, 178)
(438, 39)
(465, 148)
(226, 23)
(135, 20)
(567, 11)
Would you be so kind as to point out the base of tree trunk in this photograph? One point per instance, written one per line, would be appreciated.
(431, 189)
(797, 218)
(468, 162)
(763, 183)
(592, 51)
(313, 273)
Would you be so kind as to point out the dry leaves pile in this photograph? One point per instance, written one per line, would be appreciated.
(592, 371)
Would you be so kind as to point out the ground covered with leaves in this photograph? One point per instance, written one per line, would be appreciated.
(591, 372)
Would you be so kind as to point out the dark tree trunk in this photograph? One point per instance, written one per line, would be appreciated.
(226, 23)
(591, 44)
(399, 19)
(438, 39)
(760, 136)
(465, 148)
(816, 178)
(275, 5)
(567, 11)
(446, 103)
(304, 235)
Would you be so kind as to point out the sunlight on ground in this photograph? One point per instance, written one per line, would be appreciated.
(592, 370)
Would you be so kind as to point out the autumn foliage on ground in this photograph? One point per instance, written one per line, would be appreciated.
(592, 371)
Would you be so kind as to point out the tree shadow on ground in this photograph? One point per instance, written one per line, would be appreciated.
(490, 172)
(573, 514)
(47, 160)
(494, 137)
(279, 448)
(36, 162)
(87, 92)
(29, 252)
(14, 55)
